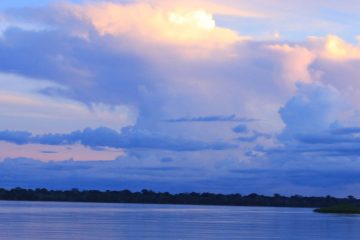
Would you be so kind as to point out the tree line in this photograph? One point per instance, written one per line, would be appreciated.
(151, 197)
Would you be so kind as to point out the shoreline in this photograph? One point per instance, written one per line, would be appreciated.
(155, 204)
(166, 198)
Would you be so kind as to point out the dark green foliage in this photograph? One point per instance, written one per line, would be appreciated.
(148, 196)
(340, 209)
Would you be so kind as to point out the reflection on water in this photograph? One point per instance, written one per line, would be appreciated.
(26, 220)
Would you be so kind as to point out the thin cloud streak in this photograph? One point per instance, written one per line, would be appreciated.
(229, 118)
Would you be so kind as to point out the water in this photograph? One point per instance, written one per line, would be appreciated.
(88, 221)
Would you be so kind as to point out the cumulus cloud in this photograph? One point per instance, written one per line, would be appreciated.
(294, 63)
(161, 89)
(314, 108)
(335, 48)
(187, 29)
(191, 22)
(315, 127)
(143, 64)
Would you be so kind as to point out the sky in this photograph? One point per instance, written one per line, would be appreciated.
(209, 96)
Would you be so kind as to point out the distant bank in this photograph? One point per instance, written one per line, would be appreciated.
(151, 197)
(351, 208)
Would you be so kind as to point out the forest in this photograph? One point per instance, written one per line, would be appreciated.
(151, 197)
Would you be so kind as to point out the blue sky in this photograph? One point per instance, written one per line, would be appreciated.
(222, 96)
(9, 3)
(28, 3)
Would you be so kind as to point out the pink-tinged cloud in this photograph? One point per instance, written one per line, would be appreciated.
(294, 63)
(335, 48)
(47, 153)
(215, 7)
(189, 29)
(142, 63)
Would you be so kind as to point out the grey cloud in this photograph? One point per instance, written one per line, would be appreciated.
(242, 128)
(167, 160)
(229, 118)
(17, 137)
(129, 138)
(48, 152)
(255, 136)
(107, 175)
(313, 109)
(85, 67)
(325, 138)
(346, 131)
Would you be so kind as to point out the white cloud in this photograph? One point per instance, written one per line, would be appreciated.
(335, 48)
(294, 62)
(187, 29)
(252, 79)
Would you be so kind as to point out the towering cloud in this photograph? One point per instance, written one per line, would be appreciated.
(230, 89)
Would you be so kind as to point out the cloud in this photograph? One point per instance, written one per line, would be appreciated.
(294, 63)
(230, 118)
(104, 137)
(242, 128)
(212, 6)
(164, 69)
(15, 137)
(38, 101)
(254, 137)
(30, 173)
(335, 48)
(346, 130)
(154, 88)
(314, 129)
(315, 108)
(167, 160)
(13, 148)
(186, 28)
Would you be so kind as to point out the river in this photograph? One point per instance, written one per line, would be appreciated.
(93, 221)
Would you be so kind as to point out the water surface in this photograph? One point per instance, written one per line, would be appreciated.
(90, 221)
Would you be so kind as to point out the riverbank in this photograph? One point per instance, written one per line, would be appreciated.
(151, 197)
(340, 209)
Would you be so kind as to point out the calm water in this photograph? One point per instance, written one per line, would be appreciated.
(26, 220)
